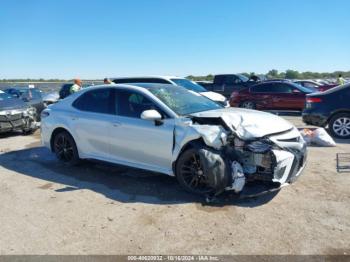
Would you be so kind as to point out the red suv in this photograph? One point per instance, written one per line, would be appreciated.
(278, 95)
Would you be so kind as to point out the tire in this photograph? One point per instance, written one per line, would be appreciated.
(248, 105)
(201, 171)
(339, 125)
(65, 149)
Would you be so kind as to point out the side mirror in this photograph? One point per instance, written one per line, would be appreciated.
(295, 91)
(152, 115)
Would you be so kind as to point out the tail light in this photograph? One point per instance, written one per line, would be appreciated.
(313, 100)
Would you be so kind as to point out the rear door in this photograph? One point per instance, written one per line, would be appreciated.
(262, 96)
(91, 120)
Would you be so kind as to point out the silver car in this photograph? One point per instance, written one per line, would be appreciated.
(177, 132)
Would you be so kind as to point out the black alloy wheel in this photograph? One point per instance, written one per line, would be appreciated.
(65, 148)
(190, 173)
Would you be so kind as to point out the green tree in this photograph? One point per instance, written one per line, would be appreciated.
(273, 73)
(292, 74)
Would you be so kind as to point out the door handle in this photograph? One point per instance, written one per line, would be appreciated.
(116, 124)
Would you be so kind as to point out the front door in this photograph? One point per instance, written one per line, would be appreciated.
(136, 141)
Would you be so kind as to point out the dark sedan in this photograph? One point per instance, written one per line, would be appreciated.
(330, 108)
(31, 96)
(271, 95)
(15, 114)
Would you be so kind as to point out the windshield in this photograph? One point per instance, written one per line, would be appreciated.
(5, 96)
(188, 85)
(183, 101)
(304, 89)
(243, 78)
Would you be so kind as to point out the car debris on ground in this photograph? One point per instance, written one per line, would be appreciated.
(318, 137)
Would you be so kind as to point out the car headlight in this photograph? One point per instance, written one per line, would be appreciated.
(259, 146)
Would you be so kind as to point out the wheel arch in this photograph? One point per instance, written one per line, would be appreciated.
(339, 111)
(56, 131)
(190, 144)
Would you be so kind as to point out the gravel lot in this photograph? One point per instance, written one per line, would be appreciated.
(47, 208)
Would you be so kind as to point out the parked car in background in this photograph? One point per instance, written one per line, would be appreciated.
(226, 84)
(31, 96)
(15, 114)
(312, 84)
(174, 131)
(275, 95)
(330, 108)
(50, 98)
(65, 90)
(177, 81)
(204, 82)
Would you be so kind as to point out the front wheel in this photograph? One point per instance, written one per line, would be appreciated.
(339, 125)
(201, 170)
(66, 149)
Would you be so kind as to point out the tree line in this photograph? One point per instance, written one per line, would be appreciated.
(288, 74)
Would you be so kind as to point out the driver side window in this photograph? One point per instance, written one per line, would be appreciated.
(132, 104)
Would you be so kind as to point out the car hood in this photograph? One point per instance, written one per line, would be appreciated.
(248, 124)
(10, 104)
(51, 96)
(214, 96)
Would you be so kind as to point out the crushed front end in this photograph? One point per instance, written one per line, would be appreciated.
(254, 146)
(278, 158)
(18, 120)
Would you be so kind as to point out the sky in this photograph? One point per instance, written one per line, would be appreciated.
(109, 38)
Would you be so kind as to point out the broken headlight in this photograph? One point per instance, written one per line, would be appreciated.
(259, 146)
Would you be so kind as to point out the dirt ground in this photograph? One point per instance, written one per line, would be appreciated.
(47, 208)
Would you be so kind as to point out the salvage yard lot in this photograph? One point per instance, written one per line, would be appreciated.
(47, 208)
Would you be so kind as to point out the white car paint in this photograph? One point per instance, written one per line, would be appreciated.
(140, 143)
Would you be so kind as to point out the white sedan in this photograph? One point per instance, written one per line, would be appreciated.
(177, 132)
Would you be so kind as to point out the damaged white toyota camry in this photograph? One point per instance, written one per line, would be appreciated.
(174, 131)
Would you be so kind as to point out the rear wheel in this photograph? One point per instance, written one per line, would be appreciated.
(66, 149)
(339, 125)
(248, 105)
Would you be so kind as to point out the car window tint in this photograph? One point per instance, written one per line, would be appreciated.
(230, 80)
(261, 88)
(282, 88)
(132, 104)
(219, 79)
(96, 101)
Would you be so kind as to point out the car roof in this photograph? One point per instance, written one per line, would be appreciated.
(146, 77)
(131, 86)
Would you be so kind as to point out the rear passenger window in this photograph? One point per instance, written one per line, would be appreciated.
(261, 89)
(96, 101)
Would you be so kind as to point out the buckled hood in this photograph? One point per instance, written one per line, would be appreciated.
(248, 124)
